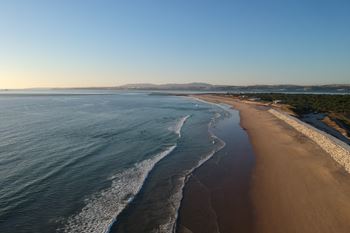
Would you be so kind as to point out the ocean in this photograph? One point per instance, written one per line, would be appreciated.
(100, 161)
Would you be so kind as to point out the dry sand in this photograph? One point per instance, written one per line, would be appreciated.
(296, 186)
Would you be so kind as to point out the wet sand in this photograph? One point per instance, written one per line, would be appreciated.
(216, 197)
(295, 185)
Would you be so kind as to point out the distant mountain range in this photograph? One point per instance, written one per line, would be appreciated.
(205, 87)
(335, 88)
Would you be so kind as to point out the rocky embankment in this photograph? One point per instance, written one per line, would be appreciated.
(339, 151)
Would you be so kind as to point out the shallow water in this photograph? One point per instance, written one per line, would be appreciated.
(216, 197)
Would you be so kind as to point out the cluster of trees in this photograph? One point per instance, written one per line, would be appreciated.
(306, 103)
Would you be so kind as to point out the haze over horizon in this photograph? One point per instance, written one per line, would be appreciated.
(181, 85)
(111, 43)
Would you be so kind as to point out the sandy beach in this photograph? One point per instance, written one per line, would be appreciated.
(295, 186)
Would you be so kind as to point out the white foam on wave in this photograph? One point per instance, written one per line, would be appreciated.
(101, 210)
(176, 198)
(177, 128)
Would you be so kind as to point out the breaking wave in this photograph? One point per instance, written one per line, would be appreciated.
(177, 128)
(176, 198)
(102, 209)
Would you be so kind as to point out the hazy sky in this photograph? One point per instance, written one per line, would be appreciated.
(62, 43)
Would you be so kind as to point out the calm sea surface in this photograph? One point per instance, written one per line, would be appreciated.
(108, 161)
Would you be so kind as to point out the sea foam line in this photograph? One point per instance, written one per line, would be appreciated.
(101, 210)
(171, 226)
(178, 126)
(176, 198)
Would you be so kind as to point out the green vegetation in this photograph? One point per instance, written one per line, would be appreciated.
(307, 103)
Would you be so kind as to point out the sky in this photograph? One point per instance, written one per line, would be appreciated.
(81, 43)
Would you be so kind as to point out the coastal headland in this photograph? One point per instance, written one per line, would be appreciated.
(295, 185)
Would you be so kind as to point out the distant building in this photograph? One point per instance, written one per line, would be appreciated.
(277, 101)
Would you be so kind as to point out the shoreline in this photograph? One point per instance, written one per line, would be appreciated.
(205, 207)
(138, 209)
(296, 186)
